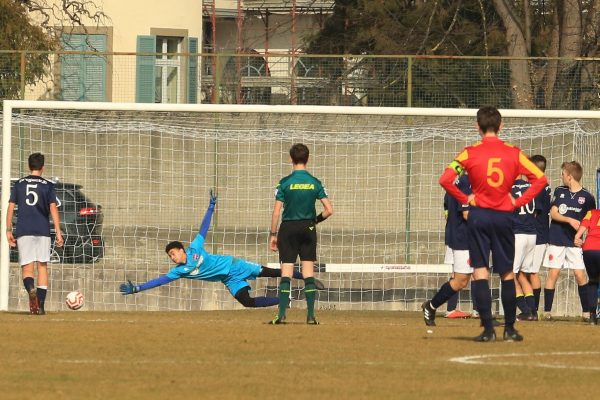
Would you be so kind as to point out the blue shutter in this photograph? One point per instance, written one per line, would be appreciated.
(144, 71)
(192, 73)
(94, 69)
(71, 79)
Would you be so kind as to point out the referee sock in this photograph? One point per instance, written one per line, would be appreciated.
(310, 291)
(284, 296)
(443, 295)
(483, 298)
(583, 297)
(509, 302)
(548, 299)
(536, 294)
(28, 283)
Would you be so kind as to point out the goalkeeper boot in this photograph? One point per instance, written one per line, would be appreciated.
(428, 313)
(312, 321)
(512, 335)
(34, 305)
(277, 321)
(486, 336)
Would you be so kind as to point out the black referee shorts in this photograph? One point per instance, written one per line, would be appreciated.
(297, 238)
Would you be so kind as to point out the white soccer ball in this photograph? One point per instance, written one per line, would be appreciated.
(74, 300)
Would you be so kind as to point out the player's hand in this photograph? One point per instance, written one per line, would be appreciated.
(578, 242)
(128, 288)
(213, 197)
(471, 200)
(12, 242)
(58, 240)
(273, 243)
(574, 223)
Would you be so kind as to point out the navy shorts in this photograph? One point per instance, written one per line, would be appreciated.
(491, 231)
(591, 259)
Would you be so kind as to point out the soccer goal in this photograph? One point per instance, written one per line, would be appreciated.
(147, 169)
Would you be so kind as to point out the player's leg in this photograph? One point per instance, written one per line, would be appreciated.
(574, 261)
(592, 266)
(554, 260)
(308, 256)
(27, 259)
(267, 272)
(480, 228)
(42, 288)
(534, 277)
(244, 298)
(287, 242)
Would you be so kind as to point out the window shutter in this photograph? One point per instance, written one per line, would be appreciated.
(71, 79)
(192, 73)
(94, 72)
(144, 71)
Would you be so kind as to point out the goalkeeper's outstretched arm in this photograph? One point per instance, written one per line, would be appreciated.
(131, 288)
(208, 215)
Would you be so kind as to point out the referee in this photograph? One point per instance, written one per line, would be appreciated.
(297, 236)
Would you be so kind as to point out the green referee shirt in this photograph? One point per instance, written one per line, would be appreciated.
(298, 192)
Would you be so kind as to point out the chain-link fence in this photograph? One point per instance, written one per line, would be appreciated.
(396, 81)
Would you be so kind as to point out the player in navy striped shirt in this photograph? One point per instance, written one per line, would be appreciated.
(570, 204)
(35, 199)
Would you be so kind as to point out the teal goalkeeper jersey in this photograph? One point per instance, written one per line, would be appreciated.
(202, 265)
(298, 192)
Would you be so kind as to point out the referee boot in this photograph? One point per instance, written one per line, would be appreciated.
(312, 321)
(428, 313)
(34, 304)
(277, 321)
(319, 285)
(512, 335)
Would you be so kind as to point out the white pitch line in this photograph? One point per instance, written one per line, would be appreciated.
(484, 359)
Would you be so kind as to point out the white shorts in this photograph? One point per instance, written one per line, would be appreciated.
(524, 249)
(459, 259)
(448, 256)
(538, 257)
(563, 257)
(33, 248)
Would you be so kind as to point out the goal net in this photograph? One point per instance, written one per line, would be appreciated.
(143, 173)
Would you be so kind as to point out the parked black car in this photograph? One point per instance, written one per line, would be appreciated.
(81, 225)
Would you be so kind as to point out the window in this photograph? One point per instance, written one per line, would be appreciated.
(83, 76)
(162, 76)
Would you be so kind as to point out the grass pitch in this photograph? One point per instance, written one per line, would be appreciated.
(234, 354)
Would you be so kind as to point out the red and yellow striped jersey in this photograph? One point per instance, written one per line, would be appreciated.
(493, 167)
(592, 222)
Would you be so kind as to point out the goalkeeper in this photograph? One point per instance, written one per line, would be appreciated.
(197, 263)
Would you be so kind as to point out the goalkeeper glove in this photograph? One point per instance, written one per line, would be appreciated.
(128, 288)
(213, 198)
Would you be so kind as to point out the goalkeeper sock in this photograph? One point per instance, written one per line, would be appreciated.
(28, 283)
(265, 301)
(284, 296)
(310, 291)
(481, 289)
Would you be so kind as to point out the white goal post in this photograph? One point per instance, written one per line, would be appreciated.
(150, 167)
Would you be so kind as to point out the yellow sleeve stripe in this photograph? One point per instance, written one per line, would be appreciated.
(530, 166)
(462, 156)
(588, 215)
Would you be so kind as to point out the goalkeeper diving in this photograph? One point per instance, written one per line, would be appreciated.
(197, 263)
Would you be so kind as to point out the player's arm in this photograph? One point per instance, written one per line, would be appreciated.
(56, 220)
(449, 176)
(9, 230)
(558, 217)
(327, 212)
(131, 288)
(585, 223)
(208, 215)
(274, 224)
(536, 178)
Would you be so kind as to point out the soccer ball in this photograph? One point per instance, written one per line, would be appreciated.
(74, 300)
